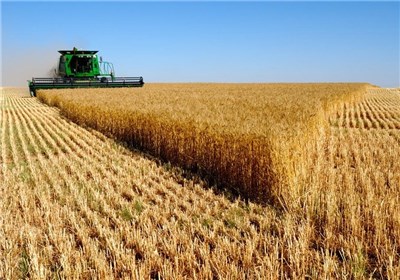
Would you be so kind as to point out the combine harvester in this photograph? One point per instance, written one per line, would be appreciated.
(83, 69)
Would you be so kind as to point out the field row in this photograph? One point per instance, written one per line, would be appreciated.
(380, 110)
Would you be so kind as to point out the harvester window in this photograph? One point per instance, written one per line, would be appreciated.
(81, 64)
(61, 65)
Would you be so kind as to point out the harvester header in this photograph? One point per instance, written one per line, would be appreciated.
(83, 69)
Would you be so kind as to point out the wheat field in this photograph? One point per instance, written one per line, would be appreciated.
(255, 139)
(76, 204)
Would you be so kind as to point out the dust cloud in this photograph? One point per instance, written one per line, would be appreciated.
(20, 65)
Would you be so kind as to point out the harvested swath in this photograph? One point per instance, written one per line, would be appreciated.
(354, 189)
(253, 138)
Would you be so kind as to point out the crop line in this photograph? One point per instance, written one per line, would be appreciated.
(25, 174)
(65, 177)
(39, 139)
(8, 250)
(391, 107)
(82, 233)
(365, 116)
(386, 107)
(3, 159)
(379, 115)
(42, 200)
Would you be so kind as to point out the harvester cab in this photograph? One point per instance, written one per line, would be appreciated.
(83, 69)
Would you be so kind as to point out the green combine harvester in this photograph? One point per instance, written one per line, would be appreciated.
(83, 69)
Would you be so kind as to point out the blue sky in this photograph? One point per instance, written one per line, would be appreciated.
(209, 41)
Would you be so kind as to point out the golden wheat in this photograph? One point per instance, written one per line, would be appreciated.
(254, 139)
(78, 205)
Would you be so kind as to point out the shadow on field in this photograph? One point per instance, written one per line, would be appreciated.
(205, 177)
(182, 175)
(179, 174)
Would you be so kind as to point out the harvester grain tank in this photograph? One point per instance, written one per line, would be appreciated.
(83, 69)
